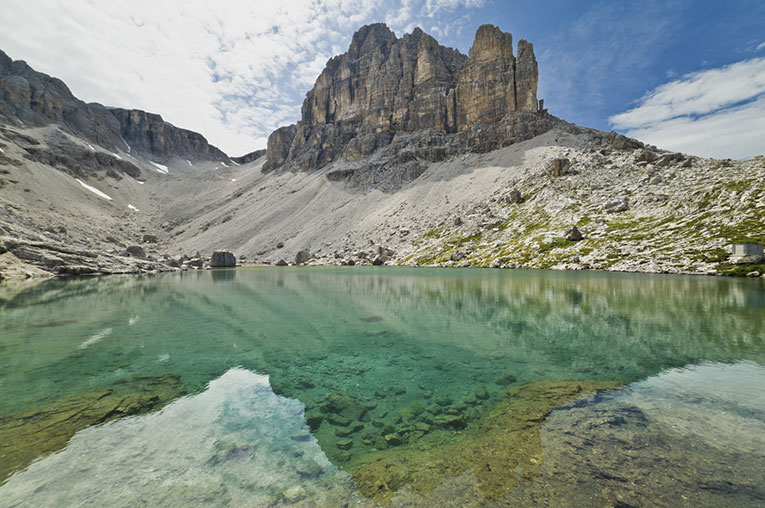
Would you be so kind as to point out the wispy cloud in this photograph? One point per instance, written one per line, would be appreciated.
(716, 112)
(599, 53)
(233, 71)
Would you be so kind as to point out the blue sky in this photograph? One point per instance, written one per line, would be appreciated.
(681, 74)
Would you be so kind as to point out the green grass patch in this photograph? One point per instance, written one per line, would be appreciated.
(434, 233)
(731, 270)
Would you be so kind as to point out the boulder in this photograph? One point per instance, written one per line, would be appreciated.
(458, 256)
(669, 158)
(149, 239)
(281, 262)
(513, 197)
(135, 251)
(616, 206)
(559, 167)
(573, 234)
(302, 257)
(645, 155)
(222, 259)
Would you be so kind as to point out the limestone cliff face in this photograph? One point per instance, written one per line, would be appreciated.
(383, 86)
(36, 99)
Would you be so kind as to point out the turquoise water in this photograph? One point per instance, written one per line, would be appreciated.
(298, 378)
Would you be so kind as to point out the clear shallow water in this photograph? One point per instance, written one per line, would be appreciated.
(305, 379)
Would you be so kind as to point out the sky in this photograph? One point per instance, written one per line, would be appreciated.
(684, 75)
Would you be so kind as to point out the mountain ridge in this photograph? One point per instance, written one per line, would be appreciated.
(32, 98)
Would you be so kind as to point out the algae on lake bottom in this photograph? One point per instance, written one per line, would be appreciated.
(506, 442)
(47, 428)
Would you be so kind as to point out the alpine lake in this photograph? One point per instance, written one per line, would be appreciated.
(367, 386)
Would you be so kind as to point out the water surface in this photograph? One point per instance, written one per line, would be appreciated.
(327, 386)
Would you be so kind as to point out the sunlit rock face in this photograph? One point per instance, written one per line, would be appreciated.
(383, 86)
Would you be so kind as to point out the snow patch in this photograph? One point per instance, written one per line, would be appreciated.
(2, 151)
(224, 164)
(126, 144)
(190, 164)
(133, 208)
(235, 163)
(96, 337)
(91, 147)
(116, 156)
(160, 167)
(233, 179)
(133, 320)
(94, 190)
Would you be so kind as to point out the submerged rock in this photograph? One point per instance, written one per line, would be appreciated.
(506, 380)
(294, 494)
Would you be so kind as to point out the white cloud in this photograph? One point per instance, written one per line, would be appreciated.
(233, 71)
(716, 113)
(760, 46)
(735, 133)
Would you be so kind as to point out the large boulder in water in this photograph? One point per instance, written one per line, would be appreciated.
(222, 259)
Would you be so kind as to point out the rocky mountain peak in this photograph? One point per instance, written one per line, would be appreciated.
(385, 86)
(371, 38)
(491, 43)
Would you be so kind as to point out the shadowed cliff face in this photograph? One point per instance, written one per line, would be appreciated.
(34, 99)
(384, 85)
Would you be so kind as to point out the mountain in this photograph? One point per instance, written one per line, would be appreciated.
(389, 106)
(406, 152)
(72, 176)
(32, 99)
